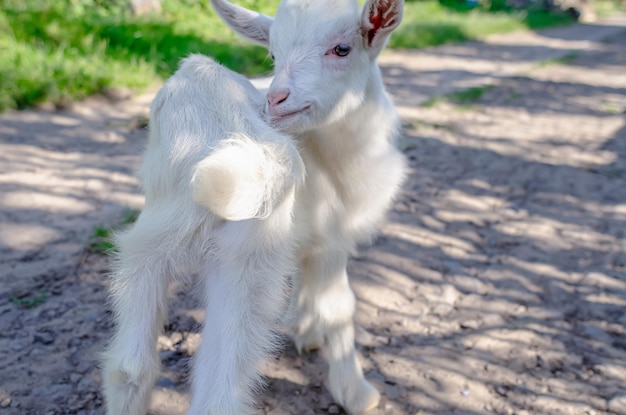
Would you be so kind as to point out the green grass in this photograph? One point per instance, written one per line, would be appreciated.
(101, 241)
(613, 108)
(469, 95)
(30, 301)
(431, 23)
(63, 50)
(463, 98)
(59, 50)
(608, 7)
(563, 60)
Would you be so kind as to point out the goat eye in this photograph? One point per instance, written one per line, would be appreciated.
(341, 50)
(272, 56)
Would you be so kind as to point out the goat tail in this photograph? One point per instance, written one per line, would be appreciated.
(246, 179)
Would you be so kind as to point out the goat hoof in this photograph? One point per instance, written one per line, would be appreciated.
(356, 399)
(309, 341)
(124, 392)
(308, 348)
(127, 383)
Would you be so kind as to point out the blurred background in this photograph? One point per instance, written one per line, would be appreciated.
(62, 50)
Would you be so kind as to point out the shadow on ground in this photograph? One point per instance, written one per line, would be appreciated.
(498, 285)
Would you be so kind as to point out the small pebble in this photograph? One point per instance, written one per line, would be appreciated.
(501, 390)
(469, 324)
(333, 409)
(43, 337)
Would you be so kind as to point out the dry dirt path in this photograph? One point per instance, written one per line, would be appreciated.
(497, 287)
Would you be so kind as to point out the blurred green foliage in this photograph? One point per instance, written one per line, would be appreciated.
(59, 50)
(62, 50)
(430, 23)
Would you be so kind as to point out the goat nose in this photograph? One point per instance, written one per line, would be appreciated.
(275, 98)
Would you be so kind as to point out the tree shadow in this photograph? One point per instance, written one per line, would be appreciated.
(497, 286)
(499, 279)
(62, 174)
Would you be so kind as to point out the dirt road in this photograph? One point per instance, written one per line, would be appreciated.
(497, 287)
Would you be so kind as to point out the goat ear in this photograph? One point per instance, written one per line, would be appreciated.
(379, 19)
(249, 24)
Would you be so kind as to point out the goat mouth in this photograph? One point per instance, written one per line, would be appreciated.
(282, 117)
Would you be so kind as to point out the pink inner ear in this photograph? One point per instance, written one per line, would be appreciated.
(378, 20)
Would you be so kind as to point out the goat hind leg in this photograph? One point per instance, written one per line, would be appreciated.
(245, 294)
(131, 363)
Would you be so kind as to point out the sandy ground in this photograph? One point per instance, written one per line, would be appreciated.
(498, 285)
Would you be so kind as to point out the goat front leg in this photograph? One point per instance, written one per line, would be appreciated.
(245, 294)
(324, 308)
(131, 362)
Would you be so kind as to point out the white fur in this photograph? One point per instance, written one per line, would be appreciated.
(208, 143)
(337, 109)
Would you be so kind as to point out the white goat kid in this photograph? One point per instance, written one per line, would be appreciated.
(211, 163)
(328, 92)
